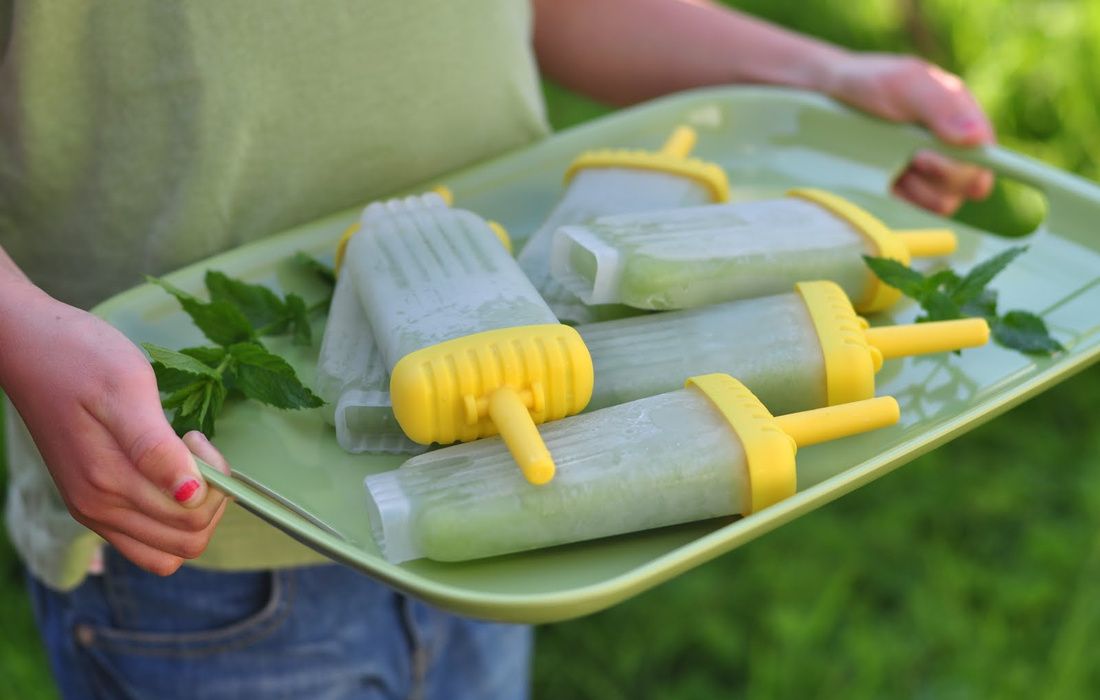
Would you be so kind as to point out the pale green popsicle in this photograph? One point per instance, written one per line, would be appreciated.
(599, 191)
(685, 258)
(429, 274)
(470, 346)
(653, 462)
(768, 343)
(795, 351)
(352, 379)
(658, 461)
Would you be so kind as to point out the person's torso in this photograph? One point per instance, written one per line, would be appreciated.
(137, 137)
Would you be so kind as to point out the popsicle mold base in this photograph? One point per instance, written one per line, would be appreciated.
(885, 242)
(442, 393)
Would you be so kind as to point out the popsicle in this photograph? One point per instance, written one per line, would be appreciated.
(351, 374)
(795, 351)
(684, 258)
(471, 347)
(612, 181)
(710, 449)
(352, 379)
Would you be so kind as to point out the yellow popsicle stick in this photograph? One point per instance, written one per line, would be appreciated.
(928, 242)
(680, 142)
(445, 193)
(517, 429)
(832, 422)
(924, 338)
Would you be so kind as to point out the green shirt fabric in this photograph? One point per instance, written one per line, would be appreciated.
(137, 137)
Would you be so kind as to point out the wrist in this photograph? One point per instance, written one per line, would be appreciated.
(20, 303)
(815, 67)
(761, 52)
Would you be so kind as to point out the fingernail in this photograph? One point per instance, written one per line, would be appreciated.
(964, 126)
(186, 490)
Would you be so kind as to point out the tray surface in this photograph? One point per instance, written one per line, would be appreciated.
(289, 470)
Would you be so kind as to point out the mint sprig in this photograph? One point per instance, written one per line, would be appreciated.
(195, 382)
(946, 295)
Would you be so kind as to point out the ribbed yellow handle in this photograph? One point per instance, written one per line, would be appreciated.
(928, 242)
(680, 143)
(517, 429)
(842, 420)
(924, 338)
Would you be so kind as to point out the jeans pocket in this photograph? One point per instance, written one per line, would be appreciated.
(191, 613)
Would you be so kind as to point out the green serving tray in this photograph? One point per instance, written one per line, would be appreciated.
(289, 470)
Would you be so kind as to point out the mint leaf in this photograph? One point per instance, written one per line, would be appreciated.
(198, 409)
(298, 317)
(179, 361)
(910, 282)
(973, 284)
(323, 272)
(261, 306)
(1026, 332)
(178, 397)
(945, 295)
(192, 401)
(212, 357)
(198, 380)
(938, 307)
(176, 370)
(220, 321)
(211, 408)
(268, 378)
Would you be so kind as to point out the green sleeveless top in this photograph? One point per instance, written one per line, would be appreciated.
(138, 137)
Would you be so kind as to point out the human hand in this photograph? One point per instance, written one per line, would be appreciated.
(89, 399)
(908, 89)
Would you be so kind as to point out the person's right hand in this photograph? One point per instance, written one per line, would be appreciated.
(89, 399)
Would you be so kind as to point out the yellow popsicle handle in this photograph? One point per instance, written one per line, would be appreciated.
(680, 143)
(824, 424)
(928, 242)
(502, 235)
(517, 429)
(445, 193)
(924, 338)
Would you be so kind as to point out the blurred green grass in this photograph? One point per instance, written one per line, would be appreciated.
(969, 572)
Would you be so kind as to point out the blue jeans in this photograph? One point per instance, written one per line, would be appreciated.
(312, 632)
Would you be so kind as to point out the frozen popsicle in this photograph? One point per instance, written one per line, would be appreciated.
(613, 181)
(708, 450)
(352, 379)
(351, 374)
(471, 347)
(795, 351)
(684, 258)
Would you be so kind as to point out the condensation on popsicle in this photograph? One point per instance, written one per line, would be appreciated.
(684, 258)
(795, 351)
(708, 450)
(352, 379)
(613, 181)
(351, 374)
(471, 347)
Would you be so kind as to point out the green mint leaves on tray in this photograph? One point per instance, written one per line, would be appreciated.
(197, 381)
(945, 295)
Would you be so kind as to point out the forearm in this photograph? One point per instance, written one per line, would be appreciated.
(18, 299)
(9, 271)
(626, 51)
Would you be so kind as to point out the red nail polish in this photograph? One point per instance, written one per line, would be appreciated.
(186, 490)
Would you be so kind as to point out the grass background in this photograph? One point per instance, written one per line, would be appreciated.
(971, 572)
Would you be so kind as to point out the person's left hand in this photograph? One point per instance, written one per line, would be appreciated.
(908, 89)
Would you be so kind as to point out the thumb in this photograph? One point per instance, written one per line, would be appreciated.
(157, 453)
(940, 101)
